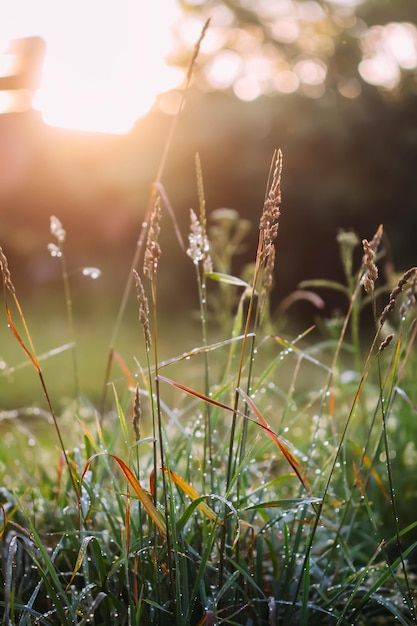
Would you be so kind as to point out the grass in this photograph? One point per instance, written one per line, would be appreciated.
(257, 478)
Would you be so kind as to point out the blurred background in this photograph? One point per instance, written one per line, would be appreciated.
(87, 96)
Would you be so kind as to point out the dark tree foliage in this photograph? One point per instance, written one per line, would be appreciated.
(348, 134)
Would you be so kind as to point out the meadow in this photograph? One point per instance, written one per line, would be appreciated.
(258, 477)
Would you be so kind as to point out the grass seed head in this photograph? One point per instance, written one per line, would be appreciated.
(4, 266)
(137, 412)
(371, 273)
(57, 229)
(268, 277)
(411, 294)
(384, 344)
(411, 273)
(370, 249)
(143, 310)
(270, 215)
(199, 248)
(153, 249)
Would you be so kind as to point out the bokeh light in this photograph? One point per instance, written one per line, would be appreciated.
(388, 50)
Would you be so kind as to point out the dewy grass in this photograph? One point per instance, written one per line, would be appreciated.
(255, 479)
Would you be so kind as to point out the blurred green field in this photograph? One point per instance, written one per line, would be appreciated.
(94, 320)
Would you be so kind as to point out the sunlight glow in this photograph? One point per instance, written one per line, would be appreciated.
(105, 61)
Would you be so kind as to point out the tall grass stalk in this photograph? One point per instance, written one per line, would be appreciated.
(156, 188)
(57, 250)
(289, 502)
(199, 252)
(9, 291)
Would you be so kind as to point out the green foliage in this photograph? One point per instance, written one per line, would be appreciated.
(254, 479)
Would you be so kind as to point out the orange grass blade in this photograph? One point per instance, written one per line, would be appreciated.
(367, 461)
(148, 505)
(60, 469)
(152, 484)
(191, 493)
(15, 332)
(295, 464)
(88, 435)
(126, 371)
(292, 460)
(207, 619)
(197, 394)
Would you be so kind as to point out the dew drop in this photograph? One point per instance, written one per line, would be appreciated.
(91, 272)
(54, 250)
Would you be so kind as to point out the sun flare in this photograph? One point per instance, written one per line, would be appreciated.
(105, 62)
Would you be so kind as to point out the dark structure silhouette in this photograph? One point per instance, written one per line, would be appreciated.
(19, 125)
(29, 53)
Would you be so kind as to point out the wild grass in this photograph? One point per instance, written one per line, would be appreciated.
(258, 478)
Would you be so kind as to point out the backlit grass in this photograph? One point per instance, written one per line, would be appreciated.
(254, 477)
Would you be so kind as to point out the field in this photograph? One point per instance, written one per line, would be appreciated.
(252, 477)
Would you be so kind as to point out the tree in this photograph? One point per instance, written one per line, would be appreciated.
(258, 47)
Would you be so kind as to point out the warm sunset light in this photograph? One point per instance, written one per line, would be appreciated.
(104, 63)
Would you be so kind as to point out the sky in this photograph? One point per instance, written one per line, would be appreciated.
(105, 60)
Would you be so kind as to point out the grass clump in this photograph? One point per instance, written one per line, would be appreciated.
(255, 479)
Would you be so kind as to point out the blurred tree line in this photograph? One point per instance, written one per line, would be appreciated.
(333, 84)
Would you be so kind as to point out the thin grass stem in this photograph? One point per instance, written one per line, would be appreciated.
(144, 227)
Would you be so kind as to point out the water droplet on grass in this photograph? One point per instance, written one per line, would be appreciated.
(54, 250)
(91, 272)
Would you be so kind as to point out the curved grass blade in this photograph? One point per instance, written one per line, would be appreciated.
(143, 496)
(202, 350)
(161, 191)
(228, 279)
(81, 556)
(291, 347)
(326, 284)
(290, 502)
(8, 581)
(91, 609)
(30, 354)
(191, 493)
(51, 580)
(292, 460)
(188, 512)
(41, 357)
(123, 366)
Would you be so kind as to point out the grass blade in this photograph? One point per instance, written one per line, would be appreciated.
(143, 496)
(279, 442)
